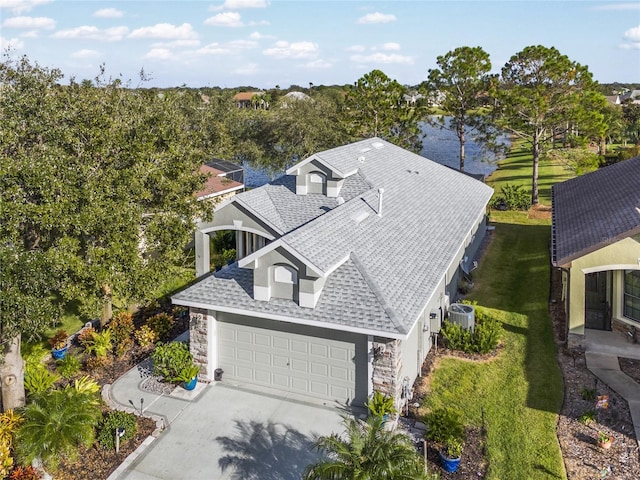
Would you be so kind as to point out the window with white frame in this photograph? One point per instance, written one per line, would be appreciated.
(632, 294)
(284, 274)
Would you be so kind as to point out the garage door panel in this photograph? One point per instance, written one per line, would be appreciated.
(319, 367)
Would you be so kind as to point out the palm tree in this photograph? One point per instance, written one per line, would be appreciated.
(367, 452)
(55, 424)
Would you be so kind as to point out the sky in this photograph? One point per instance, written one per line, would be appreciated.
(264, 43)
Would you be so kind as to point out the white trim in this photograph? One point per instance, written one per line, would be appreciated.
(281, 318)
(602, 268)
(281, 243)
(294, 170)
(255, 231)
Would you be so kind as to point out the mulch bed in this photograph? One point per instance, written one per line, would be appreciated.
(583, 458)
(96, 463)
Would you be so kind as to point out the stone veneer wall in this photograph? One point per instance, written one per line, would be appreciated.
(625, 328)
(198, 343)
(386, 371)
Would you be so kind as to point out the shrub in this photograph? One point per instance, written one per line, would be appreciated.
(487, 332)
(169, 359)
(25, 473)
(94, 363)
(587, 417)
(6, 460)
(55, 424)
(380, 404)
(59, 339)
(85, 337)
(37, 379)
(457, 337)
(69, 366)
(121, 327)
(9, 423)
(588, 394)
(484, 339)
(512, 197)
(111, 421)
(145, 336)
(445, 424)
(100, 344)
(161, 324)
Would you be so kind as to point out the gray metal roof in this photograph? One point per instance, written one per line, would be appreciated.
(428, 211)
(594, 210)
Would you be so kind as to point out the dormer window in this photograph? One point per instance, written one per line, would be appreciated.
(284, 282)
(317, 183)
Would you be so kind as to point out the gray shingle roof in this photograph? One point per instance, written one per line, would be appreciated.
(394, 262)
(594, 210)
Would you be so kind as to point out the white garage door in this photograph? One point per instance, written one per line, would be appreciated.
(318, 367)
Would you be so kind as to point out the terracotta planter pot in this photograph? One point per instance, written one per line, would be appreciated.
(605, 445)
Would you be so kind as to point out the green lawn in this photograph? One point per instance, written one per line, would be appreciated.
(517, 169)
(520, 392)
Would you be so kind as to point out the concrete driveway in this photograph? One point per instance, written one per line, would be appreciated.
(229, 433)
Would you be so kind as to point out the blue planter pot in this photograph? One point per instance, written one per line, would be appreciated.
(190, 385)
(59, 354)
(449, 464)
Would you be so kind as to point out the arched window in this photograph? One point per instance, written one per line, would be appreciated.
(284, 282)
(316, 183)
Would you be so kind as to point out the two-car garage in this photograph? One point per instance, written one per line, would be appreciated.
(293, 359)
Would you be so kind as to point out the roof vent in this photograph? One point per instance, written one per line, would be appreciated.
(360, 216)
(377, 145)
(380, 192)
(340, 200)
(365, 150)
(361, 158)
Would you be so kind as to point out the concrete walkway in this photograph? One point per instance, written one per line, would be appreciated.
(605, 366)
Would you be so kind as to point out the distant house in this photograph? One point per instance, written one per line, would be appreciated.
(346, 266)
(632, 96)
(246, 100)
(613, 99)
(224, 180)
(596, 243)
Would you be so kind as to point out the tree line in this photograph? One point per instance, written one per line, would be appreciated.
(97, 177)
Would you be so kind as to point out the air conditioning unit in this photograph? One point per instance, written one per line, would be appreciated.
(463, 315)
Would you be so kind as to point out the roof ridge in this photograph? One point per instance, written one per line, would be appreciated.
(377, 291)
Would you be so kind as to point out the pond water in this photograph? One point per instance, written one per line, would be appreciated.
(439, 145)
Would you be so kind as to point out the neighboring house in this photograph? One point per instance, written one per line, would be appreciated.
(613, 99)
(632, 96)
(596, 243)
(246, 100)
(346, 266)
(224, 180)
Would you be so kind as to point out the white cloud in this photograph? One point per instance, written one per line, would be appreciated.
(213, 49)
(356, 48)
(260, 36)
(20, 6)
(249, 69)
(30, 34)
(390, 46)
(377, 18)
(383, 58)
(238, 4)
(633, 34)
(284, 49)
(108, 13)
(617, 7)
(11, 43)
(318, 64)
(187, 43)
(159, 54)
(30, 23)
(226, 19)
(87, 32)
(242, 44)
(165, 30)
(85, 53)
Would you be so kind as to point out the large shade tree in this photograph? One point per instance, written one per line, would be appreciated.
(97, 180)
(376, 107)
(460, 87)
(542, 93)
